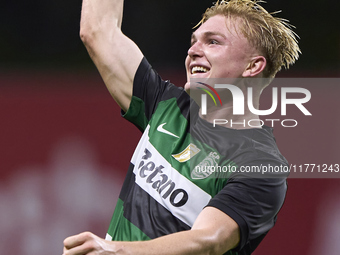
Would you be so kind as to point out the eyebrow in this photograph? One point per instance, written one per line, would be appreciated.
(209, 33)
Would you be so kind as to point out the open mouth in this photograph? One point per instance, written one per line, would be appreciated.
(199, 69)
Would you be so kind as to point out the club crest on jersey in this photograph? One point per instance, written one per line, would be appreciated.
(187, 153)
(206, 167)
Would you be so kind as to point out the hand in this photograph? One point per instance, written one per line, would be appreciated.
(87, 244)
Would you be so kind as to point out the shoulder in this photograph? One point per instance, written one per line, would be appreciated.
(147, 82)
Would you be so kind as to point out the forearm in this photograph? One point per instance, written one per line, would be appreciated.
(182, 243)
(115, 55)
(212, 233)
(100, 16)
(99, 26)
(192, 242)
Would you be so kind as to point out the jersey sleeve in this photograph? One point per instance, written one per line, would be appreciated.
(253, 203)
(148, 90)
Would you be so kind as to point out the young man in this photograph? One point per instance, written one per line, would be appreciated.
(165, 206)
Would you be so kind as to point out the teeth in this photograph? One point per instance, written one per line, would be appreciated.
(198, 69)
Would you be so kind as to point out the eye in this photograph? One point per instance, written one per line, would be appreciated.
(212, 41)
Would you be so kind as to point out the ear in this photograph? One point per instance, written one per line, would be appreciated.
(255, 67)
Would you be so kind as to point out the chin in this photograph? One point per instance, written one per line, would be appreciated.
(187, 87)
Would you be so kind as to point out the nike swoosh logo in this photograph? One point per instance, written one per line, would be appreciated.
(162, 130)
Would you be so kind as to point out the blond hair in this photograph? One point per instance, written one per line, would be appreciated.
(271, 35)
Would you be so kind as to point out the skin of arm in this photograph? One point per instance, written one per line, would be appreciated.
(214, 232)
(115, 55)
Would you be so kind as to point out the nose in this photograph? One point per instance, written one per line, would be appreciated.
(195, 50)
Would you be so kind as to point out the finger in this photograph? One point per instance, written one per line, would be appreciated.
(83, 249)
(76, 240)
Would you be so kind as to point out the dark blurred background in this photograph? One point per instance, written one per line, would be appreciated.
(36, 33)
(64, 149)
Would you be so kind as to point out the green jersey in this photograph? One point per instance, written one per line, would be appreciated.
(163, 192)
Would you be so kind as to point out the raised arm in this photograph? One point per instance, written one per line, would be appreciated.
(115, 55)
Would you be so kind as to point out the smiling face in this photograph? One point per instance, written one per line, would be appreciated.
(219, 50)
